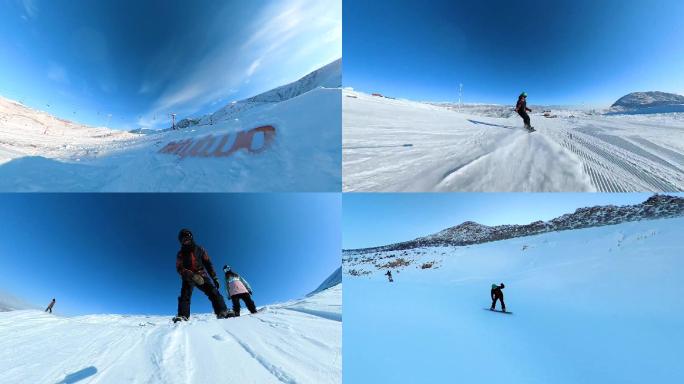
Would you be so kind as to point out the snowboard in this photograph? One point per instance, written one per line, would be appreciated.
(530, 129)
(176, 319)
(497, 310)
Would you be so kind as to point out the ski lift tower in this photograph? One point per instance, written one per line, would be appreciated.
(173, 121)
(460, 95)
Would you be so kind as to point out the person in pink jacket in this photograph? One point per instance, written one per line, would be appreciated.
(238, 288)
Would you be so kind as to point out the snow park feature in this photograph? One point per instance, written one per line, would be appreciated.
(209, 146)
(299, 341)
(401, 145)
(286, 139)
(595, 295)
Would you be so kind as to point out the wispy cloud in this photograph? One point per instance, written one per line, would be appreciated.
(285, 35)
(30, 8)
(58, 74)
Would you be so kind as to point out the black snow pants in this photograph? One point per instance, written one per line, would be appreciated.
(500, 298)
(525, 117)
(247, 298)
(208, 288)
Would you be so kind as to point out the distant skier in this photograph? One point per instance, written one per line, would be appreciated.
(49, 307)
(389, 276)
(521, 108)
(195, 267)
(497, 294)
(238, 288)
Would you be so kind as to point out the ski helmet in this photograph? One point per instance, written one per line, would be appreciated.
(226, 269)
(523, 94)
(183, 234)
(494, 286)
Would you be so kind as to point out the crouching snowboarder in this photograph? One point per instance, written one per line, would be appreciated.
(238, 288)
(195, 267)
(497, 294)
(389, 276)
(521, 108)
(49, 307)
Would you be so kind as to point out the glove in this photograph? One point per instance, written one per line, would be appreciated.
(198, 279)
(250, 292)
(216, 282)
(187, 274)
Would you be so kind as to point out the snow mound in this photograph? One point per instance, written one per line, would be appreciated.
(294, 342)
(648, 102)
(592, 305)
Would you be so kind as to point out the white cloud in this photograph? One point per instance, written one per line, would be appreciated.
(252, 68)
(284, 40)
(30, 8)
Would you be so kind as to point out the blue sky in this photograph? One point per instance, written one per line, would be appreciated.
(138, 61)
(561, 52)
(115, 253)
(378, 219)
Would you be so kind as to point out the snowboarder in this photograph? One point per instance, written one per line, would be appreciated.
(521, 108)
(195, 267)
(389, 276)
(497, 294)
(49, 307)
(238, 288)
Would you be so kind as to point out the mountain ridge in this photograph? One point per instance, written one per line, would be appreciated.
(469, 232)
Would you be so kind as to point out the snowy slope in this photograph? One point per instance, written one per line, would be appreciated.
(10, 303)
(593, 305)
(303, 153)
(332, 280)
(401, 145)
(294, 342)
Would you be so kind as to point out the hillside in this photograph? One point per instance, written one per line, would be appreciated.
(289, 143)
(591, 305)
(467, 233)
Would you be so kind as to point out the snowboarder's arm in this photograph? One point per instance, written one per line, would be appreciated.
(528, 110)
(246, 285)
(185, 273)
(207, 263)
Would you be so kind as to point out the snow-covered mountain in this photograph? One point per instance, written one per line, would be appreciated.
(10, 303)
(329, 76)
(334, 279)
(655, 207)
(299, 341)
(287, 139)
(648, 102)
(590, 305)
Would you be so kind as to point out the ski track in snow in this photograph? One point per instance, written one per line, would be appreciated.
(276, 345)
(455, 151)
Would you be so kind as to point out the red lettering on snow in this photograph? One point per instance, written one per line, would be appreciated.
(204, 147)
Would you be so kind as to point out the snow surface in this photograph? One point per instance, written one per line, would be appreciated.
(294, 342)
(594, 305)
(39, 152)
(401, 145)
